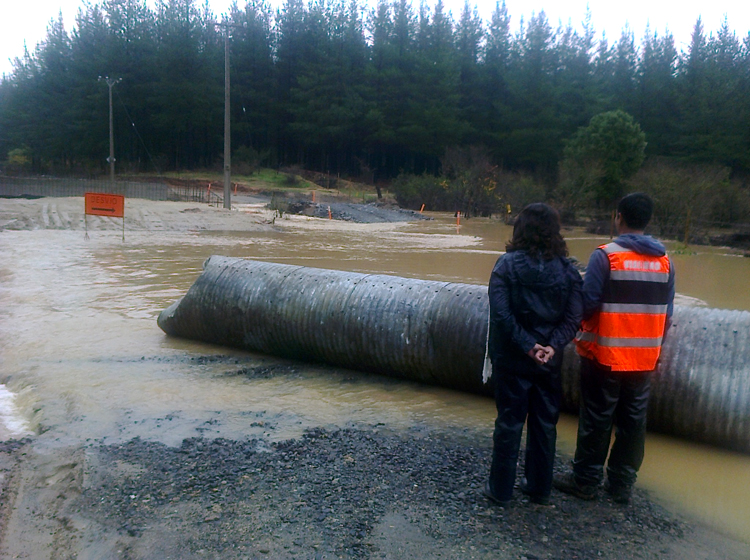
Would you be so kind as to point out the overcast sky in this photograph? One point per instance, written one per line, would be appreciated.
(26, 20)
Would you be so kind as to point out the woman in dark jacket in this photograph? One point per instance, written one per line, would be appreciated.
(535, 310)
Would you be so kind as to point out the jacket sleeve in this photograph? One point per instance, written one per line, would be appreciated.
(670, 305)
(500, 313)
(597, 273)
(670, 287)
(571, 322)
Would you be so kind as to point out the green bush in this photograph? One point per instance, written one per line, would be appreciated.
(691, 199)
(473, 196)
(411, 191)
(518, 189)
(470, 183)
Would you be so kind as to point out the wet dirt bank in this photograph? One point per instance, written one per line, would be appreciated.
(347, 493)
(249, 213)
(67, 213)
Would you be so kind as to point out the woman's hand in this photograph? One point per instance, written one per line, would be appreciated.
(537, 353)
(549, 352)
(541, 354)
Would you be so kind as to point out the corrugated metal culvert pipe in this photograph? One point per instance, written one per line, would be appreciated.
(435, 332)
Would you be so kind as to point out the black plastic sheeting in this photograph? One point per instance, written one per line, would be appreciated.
(435, 333)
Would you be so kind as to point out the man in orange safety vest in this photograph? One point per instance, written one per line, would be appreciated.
(628, 295)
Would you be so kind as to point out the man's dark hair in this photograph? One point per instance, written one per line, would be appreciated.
(636, 210)
(537, 231)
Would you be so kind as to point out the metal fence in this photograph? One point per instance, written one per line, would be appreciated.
(55, 186)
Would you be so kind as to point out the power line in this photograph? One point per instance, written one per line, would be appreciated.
(138, 134)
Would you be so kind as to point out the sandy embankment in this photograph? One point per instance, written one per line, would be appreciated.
(249, 213)
(68, 213)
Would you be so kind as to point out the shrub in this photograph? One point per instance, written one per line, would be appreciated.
(518, 189)
(411, 191)
(690, 199)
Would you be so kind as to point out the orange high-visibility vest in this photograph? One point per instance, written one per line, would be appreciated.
(626, 333)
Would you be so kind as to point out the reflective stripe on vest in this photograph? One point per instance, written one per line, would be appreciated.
(626, 333)
(640, 276)
(619, 342)
(634, 308)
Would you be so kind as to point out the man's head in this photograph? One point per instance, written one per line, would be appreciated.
(634, 212)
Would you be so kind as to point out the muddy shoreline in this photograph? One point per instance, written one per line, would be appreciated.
(358, 492)
(354, 491)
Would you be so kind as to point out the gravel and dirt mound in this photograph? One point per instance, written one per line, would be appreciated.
(356, 493)
(360, 213)
(346, 493)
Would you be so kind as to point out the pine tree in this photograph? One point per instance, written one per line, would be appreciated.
(253, 79)
(535, 140)
(472, 106)
(657, 110)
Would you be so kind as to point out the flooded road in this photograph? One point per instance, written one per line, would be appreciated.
(85, 360)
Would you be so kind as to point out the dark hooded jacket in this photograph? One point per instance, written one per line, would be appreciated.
(532, 300)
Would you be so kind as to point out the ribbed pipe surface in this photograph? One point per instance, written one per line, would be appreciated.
(435, 332)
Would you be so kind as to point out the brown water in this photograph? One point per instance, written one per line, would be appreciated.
(82, 352)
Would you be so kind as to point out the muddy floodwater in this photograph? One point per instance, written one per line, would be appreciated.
(83, 359)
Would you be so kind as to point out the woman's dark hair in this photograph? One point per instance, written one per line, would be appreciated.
(537, 231)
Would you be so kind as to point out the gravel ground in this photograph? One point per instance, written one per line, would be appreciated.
(347, 493)
(353, 493)
(359, 492)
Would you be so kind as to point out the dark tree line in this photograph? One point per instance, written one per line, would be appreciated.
(335, 87)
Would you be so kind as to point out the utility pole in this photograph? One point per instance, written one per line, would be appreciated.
(227, 131)
(111, 159)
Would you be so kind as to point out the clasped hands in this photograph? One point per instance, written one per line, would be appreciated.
(541, 354)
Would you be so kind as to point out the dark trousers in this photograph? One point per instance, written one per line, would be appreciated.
(535, 400)
(611, 397)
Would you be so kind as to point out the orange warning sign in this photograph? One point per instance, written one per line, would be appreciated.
(98, 204)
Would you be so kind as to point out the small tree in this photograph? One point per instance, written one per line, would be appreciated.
(602, 155)
(518, 189)
(411, 191)
(576, 188)
(246, 160)
(468, 175)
